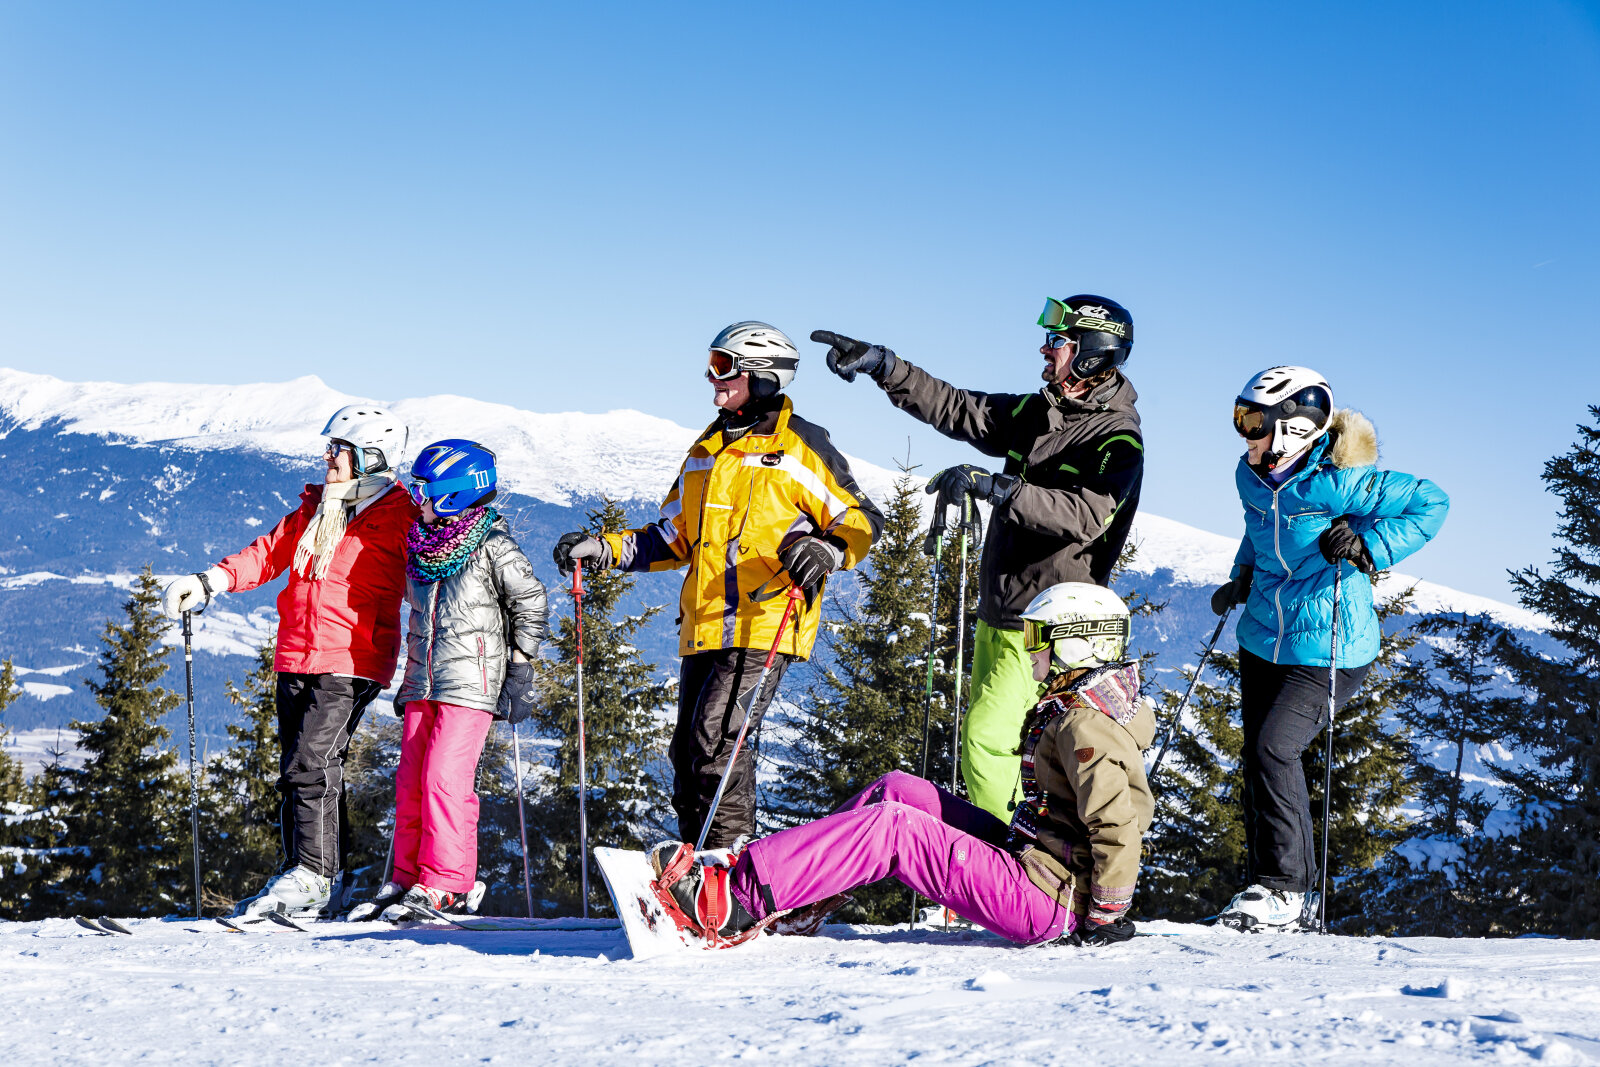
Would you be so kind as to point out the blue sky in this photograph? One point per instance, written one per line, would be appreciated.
(557, 206)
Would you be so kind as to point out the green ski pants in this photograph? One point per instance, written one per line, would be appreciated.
(1001, 695)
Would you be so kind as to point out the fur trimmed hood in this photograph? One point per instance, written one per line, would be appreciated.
(1352, 439)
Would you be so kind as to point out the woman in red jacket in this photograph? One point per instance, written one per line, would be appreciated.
(338, 637)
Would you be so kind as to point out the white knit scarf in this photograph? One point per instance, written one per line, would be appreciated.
(314, 554)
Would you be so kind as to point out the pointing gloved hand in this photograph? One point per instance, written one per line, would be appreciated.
(809, 560)
(848, 357)
(189, 593)
(1232, 594)
(1098, 935)
(950, 484)
(516, 695)
(594, 552)
(1339, 542)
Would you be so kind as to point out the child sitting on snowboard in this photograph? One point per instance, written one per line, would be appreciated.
(477, 621)
(1068, 862)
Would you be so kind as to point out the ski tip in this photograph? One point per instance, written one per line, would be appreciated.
(114, 926)
(89, 924)
(286, 922)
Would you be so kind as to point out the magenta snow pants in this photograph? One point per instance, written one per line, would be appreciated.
(435, 804)
(906, 828)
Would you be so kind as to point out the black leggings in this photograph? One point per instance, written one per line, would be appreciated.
(1284, 707)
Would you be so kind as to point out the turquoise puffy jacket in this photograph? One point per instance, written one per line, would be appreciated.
(1288, 616)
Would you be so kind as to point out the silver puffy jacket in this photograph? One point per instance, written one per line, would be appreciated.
(457, 646)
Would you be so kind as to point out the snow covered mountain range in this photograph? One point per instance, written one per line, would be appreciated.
(104, 478)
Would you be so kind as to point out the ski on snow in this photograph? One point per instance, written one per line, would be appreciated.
(242, 925)
(102, 925)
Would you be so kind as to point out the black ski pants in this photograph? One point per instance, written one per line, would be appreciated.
(1284, 707)
(317, 716)
(713, 688)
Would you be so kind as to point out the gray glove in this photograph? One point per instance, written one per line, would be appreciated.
(592, 551)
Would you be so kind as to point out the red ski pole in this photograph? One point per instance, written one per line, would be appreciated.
(583, 771)
(755, 694)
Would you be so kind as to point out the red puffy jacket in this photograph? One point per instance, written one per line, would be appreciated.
(347, 622)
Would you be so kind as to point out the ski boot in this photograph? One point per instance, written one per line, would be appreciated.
(297, 893)
(422, 902)
(366, 910)
(698, 896)
(1259, 908)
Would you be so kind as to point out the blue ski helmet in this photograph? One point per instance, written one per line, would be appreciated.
(454, 474)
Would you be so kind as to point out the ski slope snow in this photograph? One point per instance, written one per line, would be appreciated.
(189, 992)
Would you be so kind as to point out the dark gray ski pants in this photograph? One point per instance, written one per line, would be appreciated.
(1284, 707)
(712, 690)
(317, 716)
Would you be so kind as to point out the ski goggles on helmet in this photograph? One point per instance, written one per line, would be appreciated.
(1251, 420)
(722, 366)
(422, 490)
(1038, 635)
(1058, 317)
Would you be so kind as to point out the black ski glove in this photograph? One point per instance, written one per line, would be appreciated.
(952, 483)
(1338, 542)
(809, 560)
(593, 551)
(848, 357)
(516, 695)
(1098, 935)
(1233, 593)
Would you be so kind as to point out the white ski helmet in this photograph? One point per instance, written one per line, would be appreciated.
(1291, 404)
(379, 438)
(1085, 625)
(765, 351)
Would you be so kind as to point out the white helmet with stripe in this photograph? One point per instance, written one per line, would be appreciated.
(1085, 625)
(761, 349)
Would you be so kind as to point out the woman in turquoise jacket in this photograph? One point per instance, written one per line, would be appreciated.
(1313, 503)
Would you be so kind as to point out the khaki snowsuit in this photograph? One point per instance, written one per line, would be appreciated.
(1086, 795)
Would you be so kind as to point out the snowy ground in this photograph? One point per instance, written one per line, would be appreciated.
(188, 992)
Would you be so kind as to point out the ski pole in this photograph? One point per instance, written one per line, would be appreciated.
(967, 523)
(583, 770)
(755, 694)
(194, 768)
(1327, 771)
(522, 823)
(933, 545)
(1177, 716)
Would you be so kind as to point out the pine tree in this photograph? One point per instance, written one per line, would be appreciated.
(27, 829)
(12, 783)
(863, 715)
(126, 824)
(1437, 886)
(626, 709)
(239, 808)
(1556, 858)
(1194, 853)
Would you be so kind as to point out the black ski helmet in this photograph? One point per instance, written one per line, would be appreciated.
(1102, 328)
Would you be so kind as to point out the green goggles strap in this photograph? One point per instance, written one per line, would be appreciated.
(1058, 317)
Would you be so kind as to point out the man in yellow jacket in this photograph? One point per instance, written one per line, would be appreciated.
(762, 492)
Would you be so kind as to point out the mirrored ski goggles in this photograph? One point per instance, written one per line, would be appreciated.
(1251, 420)
(722, 366)
(1039, 635)
(1057, 316)
(422, 490)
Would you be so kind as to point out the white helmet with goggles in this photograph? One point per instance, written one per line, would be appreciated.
(764, 351)
(1291, 405)
(1084, 625)
(377, 438)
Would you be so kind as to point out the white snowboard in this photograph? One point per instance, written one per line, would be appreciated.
(648, 927)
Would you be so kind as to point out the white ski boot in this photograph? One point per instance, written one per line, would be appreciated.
(390, 893)
(1260, 908)
(297, 893)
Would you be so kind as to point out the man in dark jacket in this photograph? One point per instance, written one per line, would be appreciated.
(1063, 504)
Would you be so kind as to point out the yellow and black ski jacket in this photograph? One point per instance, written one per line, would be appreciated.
(738, 500)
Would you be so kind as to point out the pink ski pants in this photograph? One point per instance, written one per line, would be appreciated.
(435, 805)
(906, 828)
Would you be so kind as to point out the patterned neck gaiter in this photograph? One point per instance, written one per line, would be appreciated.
(439, 551)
